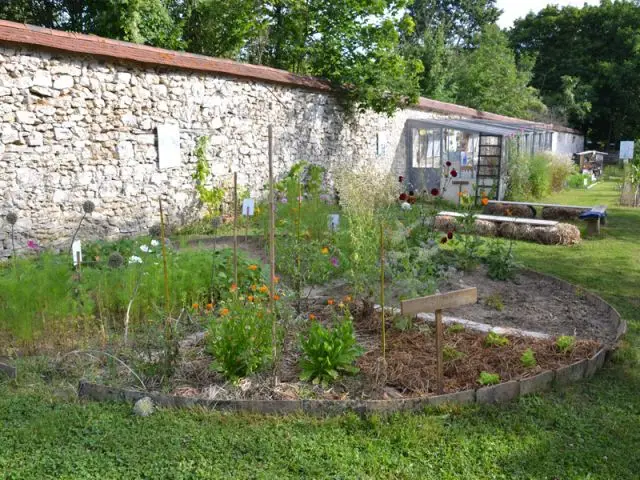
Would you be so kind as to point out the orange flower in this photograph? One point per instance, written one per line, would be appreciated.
(250, 298)
(264, 289)
(195, 306)
(485, 201)
(254, 288)
(330, 301)
(348, 298)
(276, 279)
(209, 306)
(312, 316)
(325, 251)
(276, 297)
(224, 312)
(253, 267)
(234, 287)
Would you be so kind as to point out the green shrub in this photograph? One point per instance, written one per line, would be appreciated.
(528, 358)
(456, 328)
(495, 340)
(494, 301)
(539, 175)
(577, 180)
(240, 338)
(329, 352)
(565, 343)
(501, 262)
(487, 378)
(560, 170)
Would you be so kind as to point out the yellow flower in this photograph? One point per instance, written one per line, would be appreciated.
(325, 251)
(250, 298)
(254, 288)
(224, 312)
(276, 279)
(341, 305)
(253, 267)
(348, 298)
(264, 289)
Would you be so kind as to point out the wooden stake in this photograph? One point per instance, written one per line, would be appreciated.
(439, 347)
(235, 228)
(167, 301)
(298, 261)
(272, 258)
(384, 326)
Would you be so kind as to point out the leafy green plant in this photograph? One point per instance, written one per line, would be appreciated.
(466, 242)
(495, 340)
(495, 301)
(501, 262)
(456, 328)
(240, 338)
(329, 353)
(211, 197)
(565, 343)
(403, 323)
(579, 180)
(528, 358)
(487, 378)
(450, 354)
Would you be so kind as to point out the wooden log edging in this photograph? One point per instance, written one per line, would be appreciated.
(496, 394)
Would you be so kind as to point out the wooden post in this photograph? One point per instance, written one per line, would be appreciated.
(272, 259)
(439, 353)
(438, 303)
(384, 326)
(235, 228)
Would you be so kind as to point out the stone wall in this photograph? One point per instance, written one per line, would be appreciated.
(74, 128)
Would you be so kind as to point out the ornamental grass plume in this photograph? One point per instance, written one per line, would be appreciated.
(12, 219)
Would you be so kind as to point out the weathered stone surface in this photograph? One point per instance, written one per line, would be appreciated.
(537, 384)
(26, 118)
(7, 368)
(501, 393)
(457, 398)
(571, 373)
(595, 363)
(63, 82)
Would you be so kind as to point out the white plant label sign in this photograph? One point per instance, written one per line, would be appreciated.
(248, 207)
(334, 222)
(76, 251)
(626, 150)
(168, 146)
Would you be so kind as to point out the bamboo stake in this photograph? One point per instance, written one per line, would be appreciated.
(384, 327)
(298, 261)
(272, 259)
(235, 228)
(439, 347)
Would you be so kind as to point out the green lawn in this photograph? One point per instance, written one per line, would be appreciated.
(590, 431)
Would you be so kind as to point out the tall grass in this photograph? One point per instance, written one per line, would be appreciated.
(533, 177)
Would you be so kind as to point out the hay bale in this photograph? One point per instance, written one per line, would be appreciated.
(445, 223)
(517, 231)
(508, 230)
(523, 211)
(561, 213)
(561, 234)
(486, 229)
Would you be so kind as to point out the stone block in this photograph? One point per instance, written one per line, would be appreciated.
(502, 393)
(63, 82)
(25, 117)
(595, 363)
(35, 139)
(42, 78)
(457, 398)
(537, 384)
(570, 373)
(6, 368)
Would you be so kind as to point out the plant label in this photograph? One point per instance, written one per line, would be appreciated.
(76, 251)
(248, 207)
(626, 150)
(334, 222)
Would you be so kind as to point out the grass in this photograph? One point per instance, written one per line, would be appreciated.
(590, 430)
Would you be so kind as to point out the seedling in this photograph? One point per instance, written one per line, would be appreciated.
(528, 358)
(494, 301)
(565, 343)
(487, 378)
(450, 354)
(456, 328)
(495, 340)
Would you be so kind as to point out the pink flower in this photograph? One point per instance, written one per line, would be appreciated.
(33, 245)
(335, 262)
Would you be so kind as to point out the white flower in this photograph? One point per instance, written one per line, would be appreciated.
(145, 248)
(405, 206)
(155, 243)
(134, 259)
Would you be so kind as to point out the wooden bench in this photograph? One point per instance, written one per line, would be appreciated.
(536, 204)
(594, 218)
(499, 219)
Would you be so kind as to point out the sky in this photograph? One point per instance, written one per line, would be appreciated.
(514, 9)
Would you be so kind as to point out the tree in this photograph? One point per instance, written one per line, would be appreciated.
(587, 62)
(458, 20)
(487, 78)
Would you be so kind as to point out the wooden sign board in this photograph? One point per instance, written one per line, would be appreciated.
(442, 301)
(437, 303)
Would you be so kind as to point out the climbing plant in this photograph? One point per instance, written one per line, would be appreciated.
(212, 197)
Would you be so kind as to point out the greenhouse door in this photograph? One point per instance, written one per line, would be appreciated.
(424, 147)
